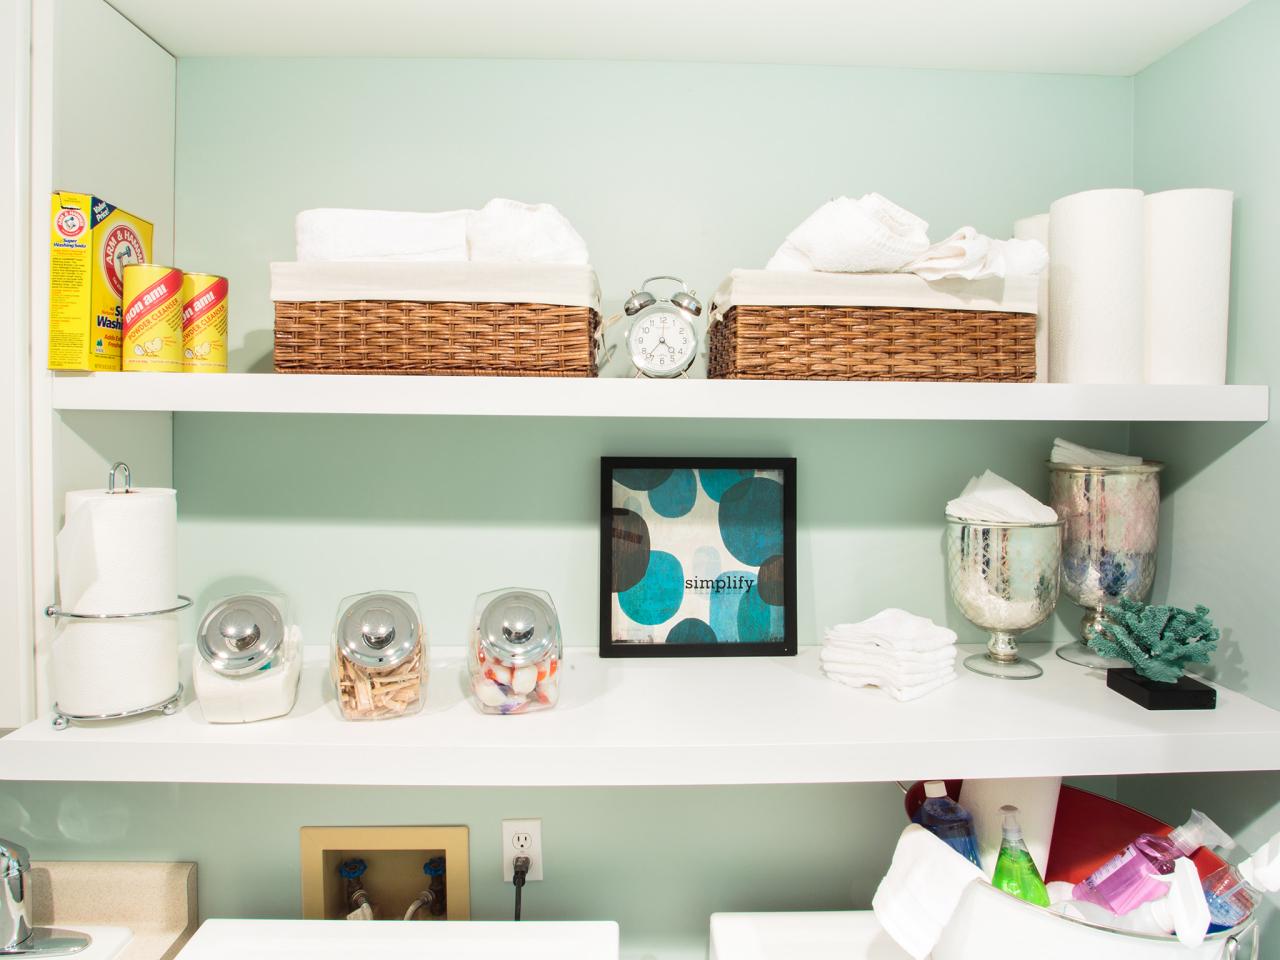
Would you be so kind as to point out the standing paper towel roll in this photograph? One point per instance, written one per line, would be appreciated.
(105, 667)
(1037, 228)
(1096, 266)
(117, 552)
(1188, 285)
(1037, 803)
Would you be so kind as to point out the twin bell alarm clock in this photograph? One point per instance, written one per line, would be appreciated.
(662, 340)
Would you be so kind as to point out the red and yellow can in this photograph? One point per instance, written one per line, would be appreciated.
(204, 323)
(152, 318)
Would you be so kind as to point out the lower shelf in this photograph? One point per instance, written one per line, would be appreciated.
(673, 722)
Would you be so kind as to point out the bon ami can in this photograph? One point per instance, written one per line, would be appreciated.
(204, 323)
(152, 318)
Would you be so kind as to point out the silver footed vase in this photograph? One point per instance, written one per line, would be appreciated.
(1111, 526)
(1004, 578)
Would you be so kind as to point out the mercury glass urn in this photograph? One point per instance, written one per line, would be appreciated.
(1111, 525)
(1004, 578)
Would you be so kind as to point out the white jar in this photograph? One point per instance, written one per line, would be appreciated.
(250, 659)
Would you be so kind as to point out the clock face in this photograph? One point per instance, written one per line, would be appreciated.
(662, 342)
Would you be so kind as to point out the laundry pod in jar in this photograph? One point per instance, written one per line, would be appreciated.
(250, 659)
(379, 665)
(515, 652)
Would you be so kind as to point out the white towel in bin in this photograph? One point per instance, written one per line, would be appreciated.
(918, 896)
(508, 231)
(327, 234)
(867, 235)
(970, 255)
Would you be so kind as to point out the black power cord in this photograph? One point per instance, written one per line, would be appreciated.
(519, 871)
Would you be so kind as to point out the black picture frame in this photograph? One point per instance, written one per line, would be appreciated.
(611, 648)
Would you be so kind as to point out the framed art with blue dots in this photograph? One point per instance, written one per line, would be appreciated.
(697, 556)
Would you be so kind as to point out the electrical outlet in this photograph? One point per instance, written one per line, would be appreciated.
(522, 838)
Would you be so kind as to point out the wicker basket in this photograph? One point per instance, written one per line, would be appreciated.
(872, 343)
(440, 339)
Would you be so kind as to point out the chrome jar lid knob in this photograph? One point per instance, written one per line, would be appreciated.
(241, 634)
(378, 630)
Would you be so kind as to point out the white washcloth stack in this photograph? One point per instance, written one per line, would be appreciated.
(905, 655)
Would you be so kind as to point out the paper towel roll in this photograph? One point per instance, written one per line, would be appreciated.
(1037, 803)
(1096, 266)
(117, 552)
(1037, 228)
(1188, 285)
(114, 666)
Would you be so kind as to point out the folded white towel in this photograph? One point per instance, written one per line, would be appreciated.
(899, 690)
(884, 656)
(895, 676)
(991, 498)
(867, 235)
(507, 231)
(1064, 451)
(970, 255)
(338, 234)
(921, 890)
(896, 629)
(942, 647)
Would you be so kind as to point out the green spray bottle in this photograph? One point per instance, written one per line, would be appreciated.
(1016, 872)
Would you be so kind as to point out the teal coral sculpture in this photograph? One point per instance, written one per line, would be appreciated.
(1159, 641)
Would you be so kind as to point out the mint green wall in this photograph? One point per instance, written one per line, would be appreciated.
(743, 155)
(688, 168)
(730, 158)
(659, 861)
(663, 167)
(1205, 118)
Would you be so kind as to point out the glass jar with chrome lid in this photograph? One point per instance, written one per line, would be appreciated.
(379, 665)
(250, 659)
(515, 652)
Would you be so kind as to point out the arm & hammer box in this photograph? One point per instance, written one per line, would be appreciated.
(90, 243)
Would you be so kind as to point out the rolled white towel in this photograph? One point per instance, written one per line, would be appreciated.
(508, 231)
(1064, 451)
(903, 692)
(867, 235)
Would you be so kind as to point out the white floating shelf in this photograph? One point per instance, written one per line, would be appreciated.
(674, 722)
(629, 397)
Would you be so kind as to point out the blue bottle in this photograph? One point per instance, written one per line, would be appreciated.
(948, 821)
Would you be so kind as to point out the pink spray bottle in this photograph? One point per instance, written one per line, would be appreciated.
(1129, 879)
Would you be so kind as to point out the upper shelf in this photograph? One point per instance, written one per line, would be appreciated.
(629, 397)
(978, 35)
(673, 722)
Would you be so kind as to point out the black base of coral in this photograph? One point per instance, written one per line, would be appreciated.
(1186, 694)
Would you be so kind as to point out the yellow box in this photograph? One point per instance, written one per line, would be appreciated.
(91, 243)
